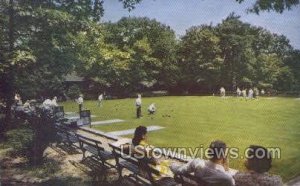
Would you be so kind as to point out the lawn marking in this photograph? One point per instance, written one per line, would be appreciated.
(131, 131)
(105, 122)
(77, 117)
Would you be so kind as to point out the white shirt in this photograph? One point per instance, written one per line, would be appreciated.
(80, 100)
(17, 98)
(152, 108)
(250, 93)
(138, 102)
(54, 102)
(47, 103)
(100, 98)
(212, 173)
(244, 92)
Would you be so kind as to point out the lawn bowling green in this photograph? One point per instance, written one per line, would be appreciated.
(191, 121)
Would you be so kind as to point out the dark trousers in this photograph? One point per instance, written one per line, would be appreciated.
(80, 108)
(138, 111)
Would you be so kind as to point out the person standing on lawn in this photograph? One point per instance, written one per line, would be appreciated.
(138, 104)
(100, 99)
(80, 102)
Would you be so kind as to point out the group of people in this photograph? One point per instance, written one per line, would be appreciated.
(138, 104)
(28, 105)
(215, 171)
(50, 103)
(250, 94)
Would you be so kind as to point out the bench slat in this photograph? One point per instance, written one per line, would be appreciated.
(133, 168)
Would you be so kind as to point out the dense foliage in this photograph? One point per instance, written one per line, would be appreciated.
(236, 54)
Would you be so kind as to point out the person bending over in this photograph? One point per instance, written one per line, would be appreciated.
(152, 108)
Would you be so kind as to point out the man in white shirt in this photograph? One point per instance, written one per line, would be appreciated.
(47, 103)
(214, 172)
(222, 92)
(250, 93)
(18, 100)
(238, 92)
(244, 93)
(100, 99)
(152, 108)
(80, 102)
(138, 104)
(54, 101)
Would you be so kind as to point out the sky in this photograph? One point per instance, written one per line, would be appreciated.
(183, 14)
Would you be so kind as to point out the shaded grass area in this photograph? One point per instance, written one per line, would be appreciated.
(194, 121)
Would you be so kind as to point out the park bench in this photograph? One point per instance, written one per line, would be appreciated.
(66, 136)
(141, 170)
(99, 159)
(96, 150)
(184, 179)
(190, 179)
(59, 112)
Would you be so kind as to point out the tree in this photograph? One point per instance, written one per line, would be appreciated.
(293, 63)
(258, 6)
(199, 59)
(236, 40)
(36, 42)
(271, 5)
(236, 54)
(134, 55)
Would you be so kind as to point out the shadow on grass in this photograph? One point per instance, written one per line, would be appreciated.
(66, 181)
(62, 149)
(93, 168)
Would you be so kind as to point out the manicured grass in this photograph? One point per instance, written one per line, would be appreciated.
(193, 121)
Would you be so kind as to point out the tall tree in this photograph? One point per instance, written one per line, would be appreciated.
(36, 42)
(236, 39)
(271, 5)
(150, 48)
(200, 59)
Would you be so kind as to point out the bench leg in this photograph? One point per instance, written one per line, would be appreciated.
(83, 154)
(120, 173)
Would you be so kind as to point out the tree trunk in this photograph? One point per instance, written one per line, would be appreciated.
(9, 77)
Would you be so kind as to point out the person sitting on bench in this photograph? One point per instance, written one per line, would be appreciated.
(152, 108)
(143, 149)
(214, 172)
(258, 164)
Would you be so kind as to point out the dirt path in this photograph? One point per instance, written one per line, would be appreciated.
(63, 166)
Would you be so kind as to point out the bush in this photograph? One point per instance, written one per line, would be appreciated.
(34, 135)
(20, 140)
(73, 92)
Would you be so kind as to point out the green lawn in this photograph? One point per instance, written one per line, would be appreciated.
(196, 121)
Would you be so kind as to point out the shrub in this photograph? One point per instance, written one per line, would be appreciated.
(73, 92)
(20, 140)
